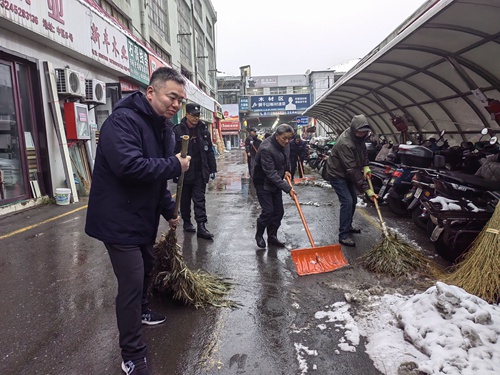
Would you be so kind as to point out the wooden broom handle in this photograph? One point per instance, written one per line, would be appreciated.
(294, 197)
(184, 149)
(384, 228)
(300, 166)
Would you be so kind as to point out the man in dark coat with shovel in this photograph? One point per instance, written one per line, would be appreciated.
(272, 164)
(134, 159)
(348, 169)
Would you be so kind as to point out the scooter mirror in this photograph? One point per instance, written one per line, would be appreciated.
(493, 140)
(484, 131)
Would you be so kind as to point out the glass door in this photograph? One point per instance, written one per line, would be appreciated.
(12, 178)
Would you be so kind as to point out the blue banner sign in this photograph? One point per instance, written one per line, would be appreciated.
(288, 103)
(244, 104)
(302, 120)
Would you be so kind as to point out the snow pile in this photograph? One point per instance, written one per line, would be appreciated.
(459, 333)
(443, 331)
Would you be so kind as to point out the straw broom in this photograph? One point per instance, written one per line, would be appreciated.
(172, 276)
(479, 271)
(392, 256)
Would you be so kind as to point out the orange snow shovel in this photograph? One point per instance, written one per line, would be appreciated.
(303, 178)
(316, 259)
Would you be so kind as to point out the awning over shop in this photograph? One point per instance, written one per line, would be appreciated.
(437, 72)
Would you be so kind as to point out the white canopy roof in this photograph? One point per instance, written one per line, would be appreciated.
(437, 73)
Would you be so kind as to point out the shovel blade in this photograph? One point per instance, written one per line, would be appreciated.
(318, 259)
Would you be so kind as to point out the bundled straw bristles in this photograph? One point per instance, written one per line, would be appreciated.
(394, 257)
(479, 271)
(172, 276)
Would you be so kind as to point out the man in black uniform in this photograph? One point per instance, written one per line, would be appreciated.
(202, 167)
(252, 144)
(298, 153)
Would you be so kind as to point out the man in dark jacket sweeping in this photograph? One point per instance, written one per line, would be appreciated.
(348, 169)
(134, 159)
(272, 164)
(252, 143)
(298, 153)
(203, 167)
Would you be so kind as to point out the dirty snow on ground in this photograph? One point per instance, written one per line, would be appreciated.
(443, 330)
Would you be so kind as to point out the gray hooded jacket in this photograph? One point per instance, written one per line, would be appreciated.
(349, 155)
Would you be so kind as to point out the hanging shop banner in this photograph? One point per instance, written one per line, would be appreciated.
(289, 103)
(231, 120)
(138, 62)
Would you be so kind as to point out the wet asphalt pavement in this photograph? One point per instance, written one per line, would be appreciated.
(58, 291)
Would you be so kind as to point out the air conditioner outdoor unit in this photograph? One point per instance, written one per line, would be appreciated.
(95, 91)
(70, 82)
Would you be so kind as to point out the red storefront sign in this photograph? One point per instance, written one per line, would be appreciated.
(229, 125)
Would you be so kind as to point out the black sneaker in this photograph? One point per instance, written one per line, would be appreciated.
(137, 367)
(152, 318)
(347, 242)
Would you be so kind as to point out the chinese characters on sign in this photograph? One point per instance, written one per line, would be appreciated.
(288, 103)
(110, 46)
(138, 61)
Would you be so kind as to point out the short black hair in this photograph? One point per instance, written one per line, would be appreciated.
(164, 74)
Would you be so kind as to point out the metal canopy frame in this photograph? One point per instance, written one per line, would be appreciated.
(438, 71)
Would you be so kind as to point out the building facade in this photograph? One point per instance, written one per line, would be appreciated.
(65, 63)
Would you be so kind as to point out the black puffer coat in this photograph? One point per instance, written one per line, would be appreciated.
(134, 159)
(271, 163)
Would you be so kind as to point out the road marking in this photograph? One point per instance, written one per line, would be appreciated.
(41, 223)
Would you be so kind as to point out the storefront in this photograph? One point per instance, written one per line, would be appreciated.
(59, 80)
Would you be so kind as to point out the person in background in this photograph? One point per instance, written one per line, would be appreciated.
(203, 167)
(134, 159)
(347, 170)
(272, 164)
(267, 135)
(252, 143)
(298, 153)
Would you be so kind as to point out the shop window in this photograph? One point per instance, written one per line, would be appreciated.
(12, 181)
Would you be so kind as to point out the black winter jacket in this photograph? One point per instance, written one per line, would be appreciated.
(252, 145)
(134, 159)
(271, 163)
(349, 155)
(298, 150)
(205, 149)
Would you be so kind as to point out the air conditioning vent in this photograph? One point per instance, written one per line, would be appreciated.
(70, 82)
(95, 91)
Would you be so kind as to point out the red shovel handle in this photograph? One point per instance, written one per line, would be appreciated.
(294, 197)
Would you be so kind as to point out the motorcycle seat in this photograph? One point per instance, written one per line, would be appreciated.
(470, 180)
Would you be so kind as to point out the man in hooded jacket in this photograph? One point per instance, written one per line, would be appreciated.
(203, 166)
(347, 170)
(134, 159)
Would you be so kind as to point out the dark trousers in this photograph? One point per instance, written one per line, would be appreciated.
(194, 191)
(133, 265)
(346, 191)
(293, 168)
(250, 161)
(272, 208)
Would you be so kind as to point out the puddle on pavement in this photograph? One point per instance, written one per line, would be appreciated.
(230, 182)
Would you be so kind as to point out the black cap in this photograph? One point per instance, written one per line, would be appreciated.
(193, 109)
(253, 130)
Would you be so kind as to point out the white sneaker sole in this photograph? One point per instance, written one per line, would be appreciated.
(155, 323)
